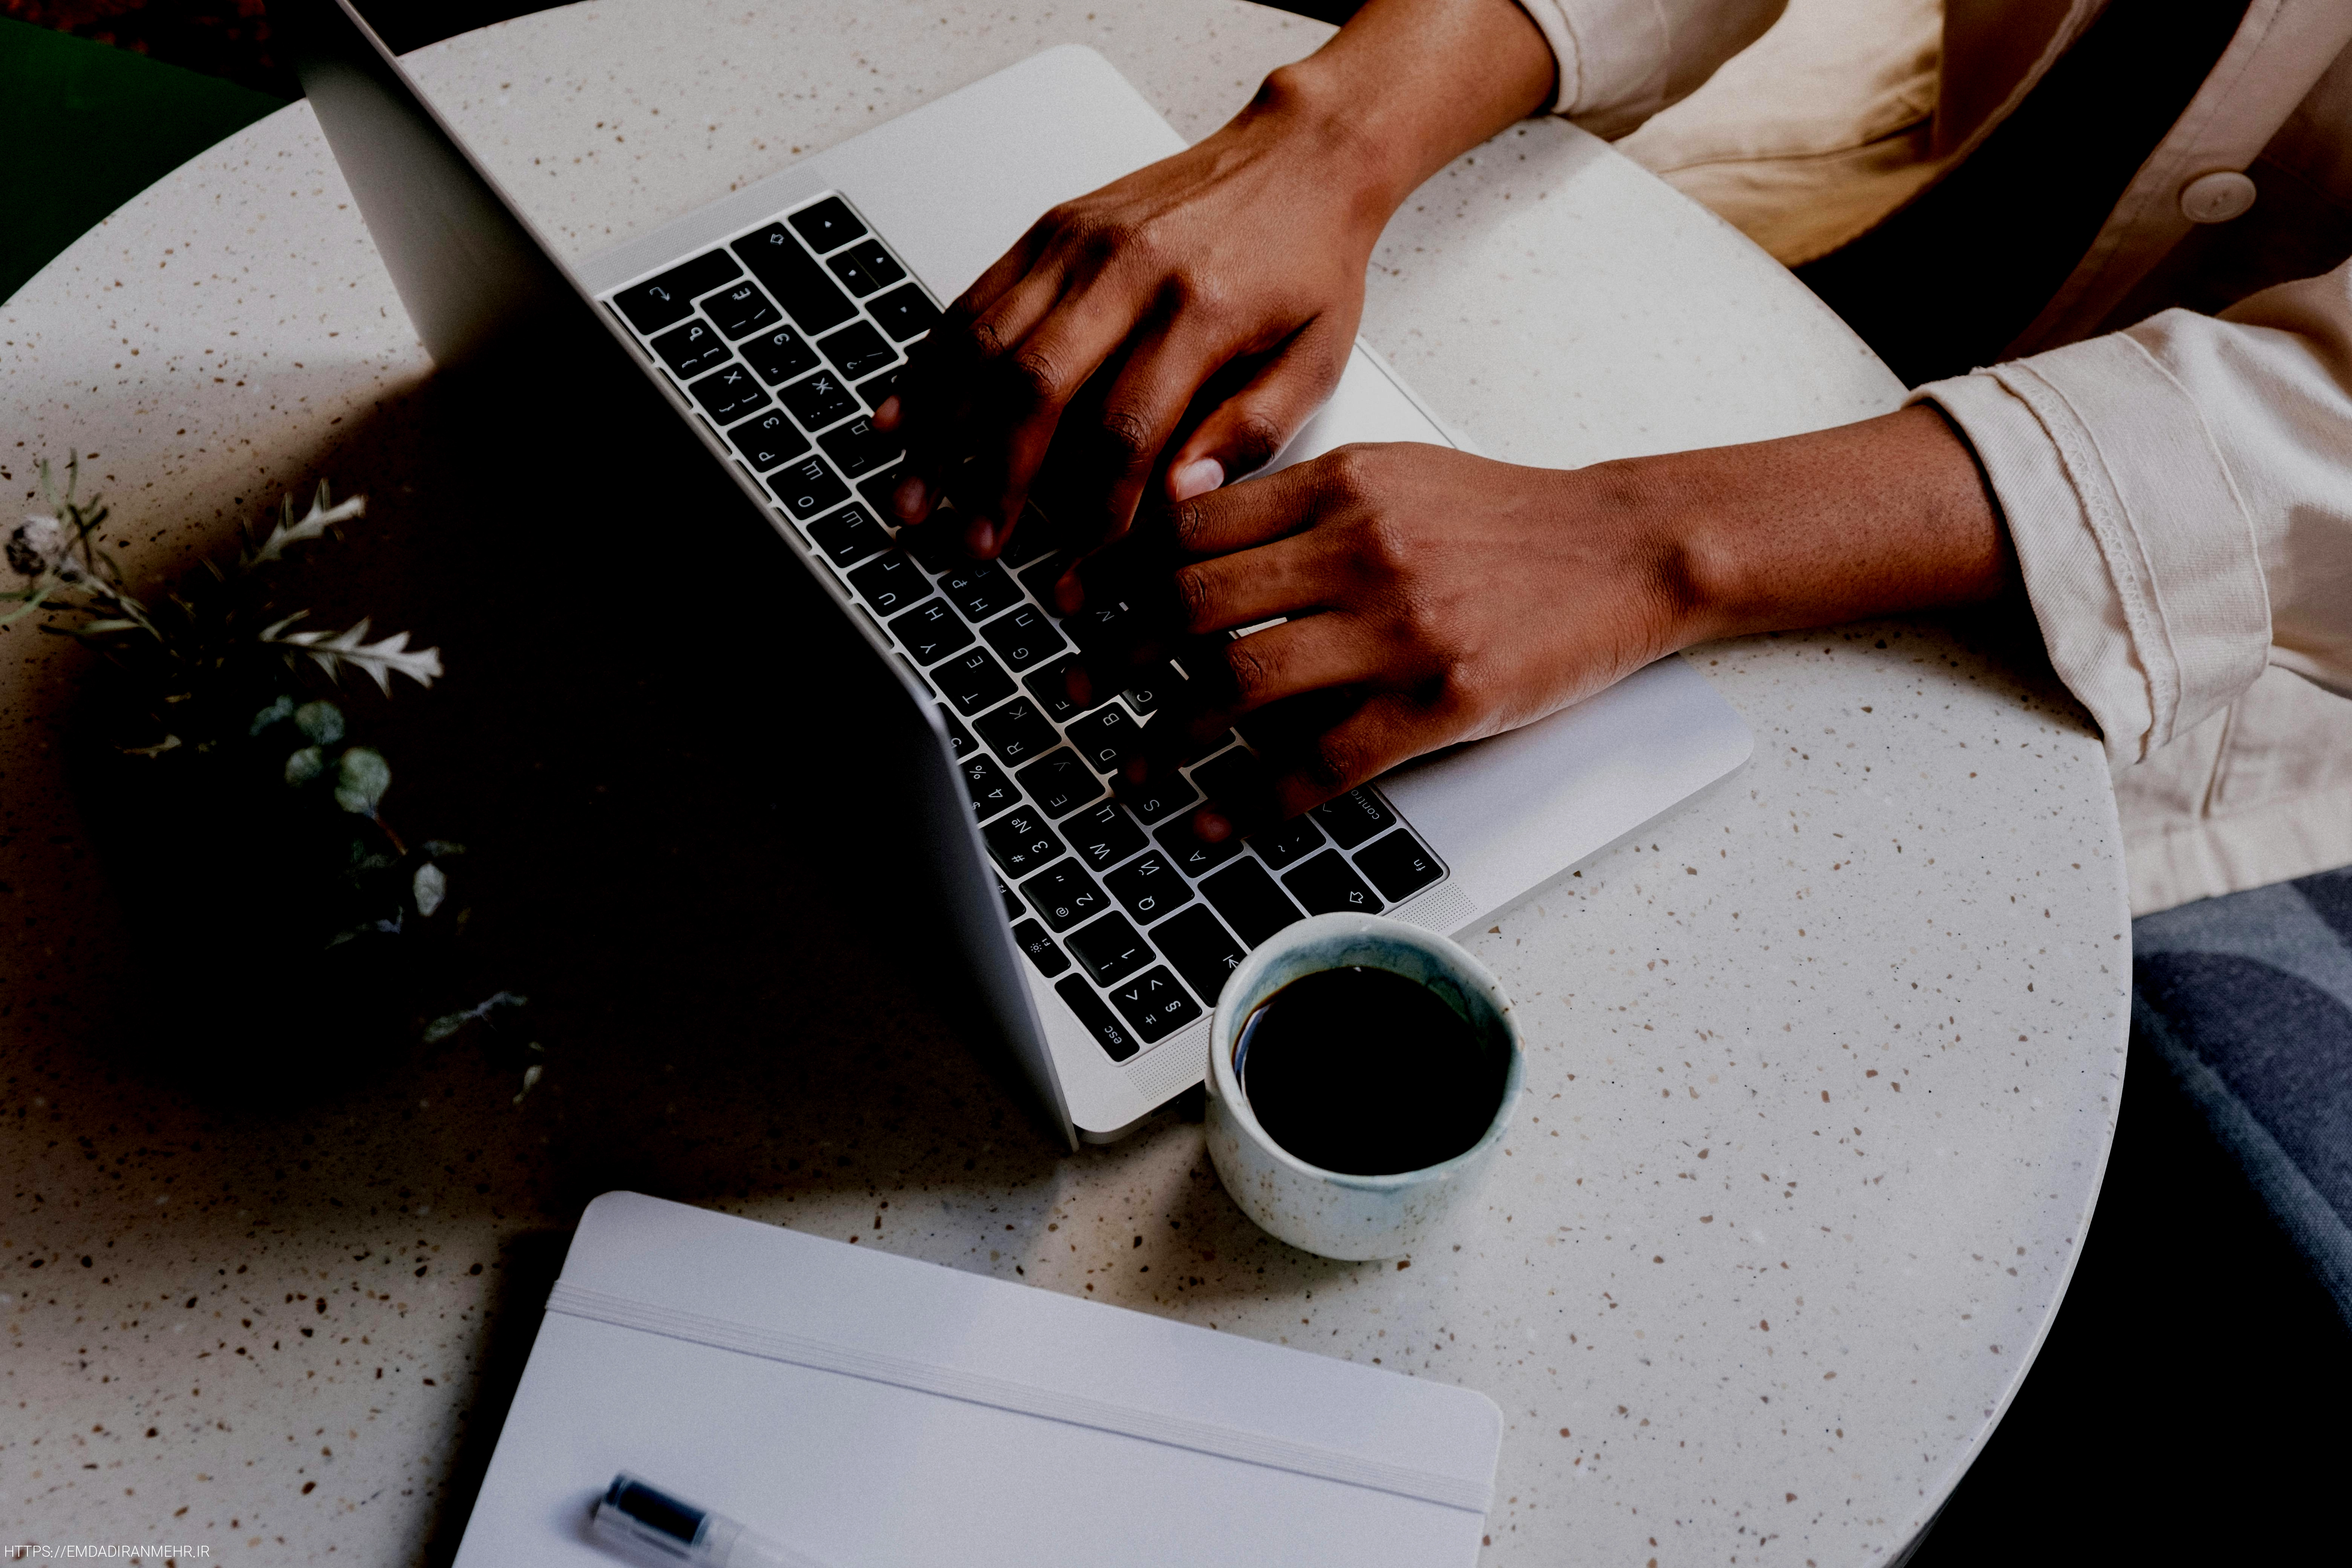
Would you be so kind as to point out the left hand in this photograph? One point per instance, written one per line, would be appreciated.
(1433, 597)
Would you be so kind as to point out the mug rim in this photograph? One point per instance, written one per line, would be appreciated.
(1227, 1084)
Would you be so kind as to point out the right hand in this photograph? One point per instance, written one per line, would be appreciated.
(1236, 264)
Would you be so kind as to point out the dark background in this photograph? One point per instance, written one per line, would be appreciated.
(2184, 1404)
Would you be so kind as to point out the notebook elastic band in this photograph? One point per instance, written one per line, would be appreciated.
(1052, 1404)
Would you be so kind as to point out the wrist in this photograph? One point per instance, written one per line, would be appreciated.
(1884, 517)
(1313, 109)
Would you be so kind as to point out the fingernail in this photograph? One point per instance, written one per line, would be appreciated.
(1197, 477)
(886, 417)
(1081, 690)
(979, 538)
(1069, 593)
(1212, 827)
(911, 499)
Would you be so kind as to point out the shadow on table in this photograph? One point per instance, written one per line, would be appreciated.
(734, 988)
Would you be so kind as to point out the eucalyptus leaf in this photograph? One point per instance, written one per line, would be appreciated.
(361, 781)
(323, 721)
(278, 712)
(304, 765)
(430, 887)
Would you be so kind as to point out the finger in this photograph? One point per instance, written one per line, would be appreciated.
(1008, 430)
(1322, 761)
(1109, 446)
(1243, 433)
(1268, 673)
(941, 394)
(942, 365)
(1218, 524)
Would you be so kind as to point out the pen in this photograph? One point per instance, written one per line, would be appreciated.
(633, 1512)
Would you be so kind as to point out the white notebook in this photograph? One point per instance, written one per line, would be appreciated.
(870, 1410)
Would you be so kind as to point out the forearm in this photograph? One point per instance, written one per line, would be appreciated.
(1408, 86)
(1878, 518)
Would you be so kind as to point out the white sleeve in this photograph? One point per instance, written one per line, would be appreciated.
(2180, 498)
(1621, 61)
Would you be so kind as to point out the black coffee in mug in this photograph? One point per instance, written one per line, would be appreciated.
(1368, 1073)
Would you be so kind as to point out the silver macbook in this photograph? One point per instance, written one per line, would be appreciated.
(772, 324)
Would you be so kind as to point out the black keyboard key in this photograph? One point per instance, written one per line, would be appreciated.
(1064, 895)
(1040, 578)
(691, 348)
(877, 489)
(767, 439)
(1018, 732)
(973, 680)
(1149, 886)
(878, 390)
(819, 401)
(890, 584)
(1059, 783)
(805, 291)
(1105, 836)
(741, 308)
(1292, 841)
(1159, 799)
(990, 791)
(1234, 779)
(866, 269)
(1013, 910)
(1053, 692)
(1191, 857)
(848, 536)
(857, 351)
(1398, 866)
(960, 742)
(1023, 637)
(827, 225)
(1041, 949)
(1246, 896)
(1108, 1031)
(1326, 885)
(1144, 694)
(1155, 1005)
(979, 589)
(1032, 539)
(729, 392)
(1020, 842)
(778, 355)
(1110, 949)
(859, 448)
(808, 486)
(904, 312)
(931, 631)
(1105, 737)
(651, 306)
(1204, 951)
(1354, 818)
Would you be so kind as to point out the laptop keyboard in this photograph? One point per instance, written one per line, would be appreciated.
(786, 339)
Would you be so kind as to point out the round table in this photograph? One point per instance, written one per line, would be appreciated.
(1823, 1065)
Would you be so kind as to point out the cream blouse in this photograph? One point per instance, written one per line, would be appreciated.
(2178, 485)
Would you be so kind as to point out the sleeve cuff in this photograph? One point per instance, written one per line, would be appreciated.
(1568, 61)
(2138, 553)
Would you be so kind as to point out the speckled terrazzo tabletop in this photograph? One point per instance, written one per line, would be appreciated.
(1823, 1067)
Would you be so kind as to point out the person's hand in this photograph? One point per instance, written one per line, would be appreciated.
(1184, 322)
(1433, 597)
(1091, 338)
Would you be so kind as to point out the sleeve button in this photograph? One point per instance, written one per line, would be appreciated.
(2216, 197)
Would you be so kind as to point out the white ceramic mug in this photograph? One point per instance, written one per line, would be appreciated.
(1331, 1213)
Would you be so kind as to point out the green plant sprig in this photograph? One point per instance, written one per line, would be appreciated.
(200, 630)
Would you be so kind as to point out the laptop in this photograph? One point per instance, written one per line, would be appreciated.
(765, 328)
